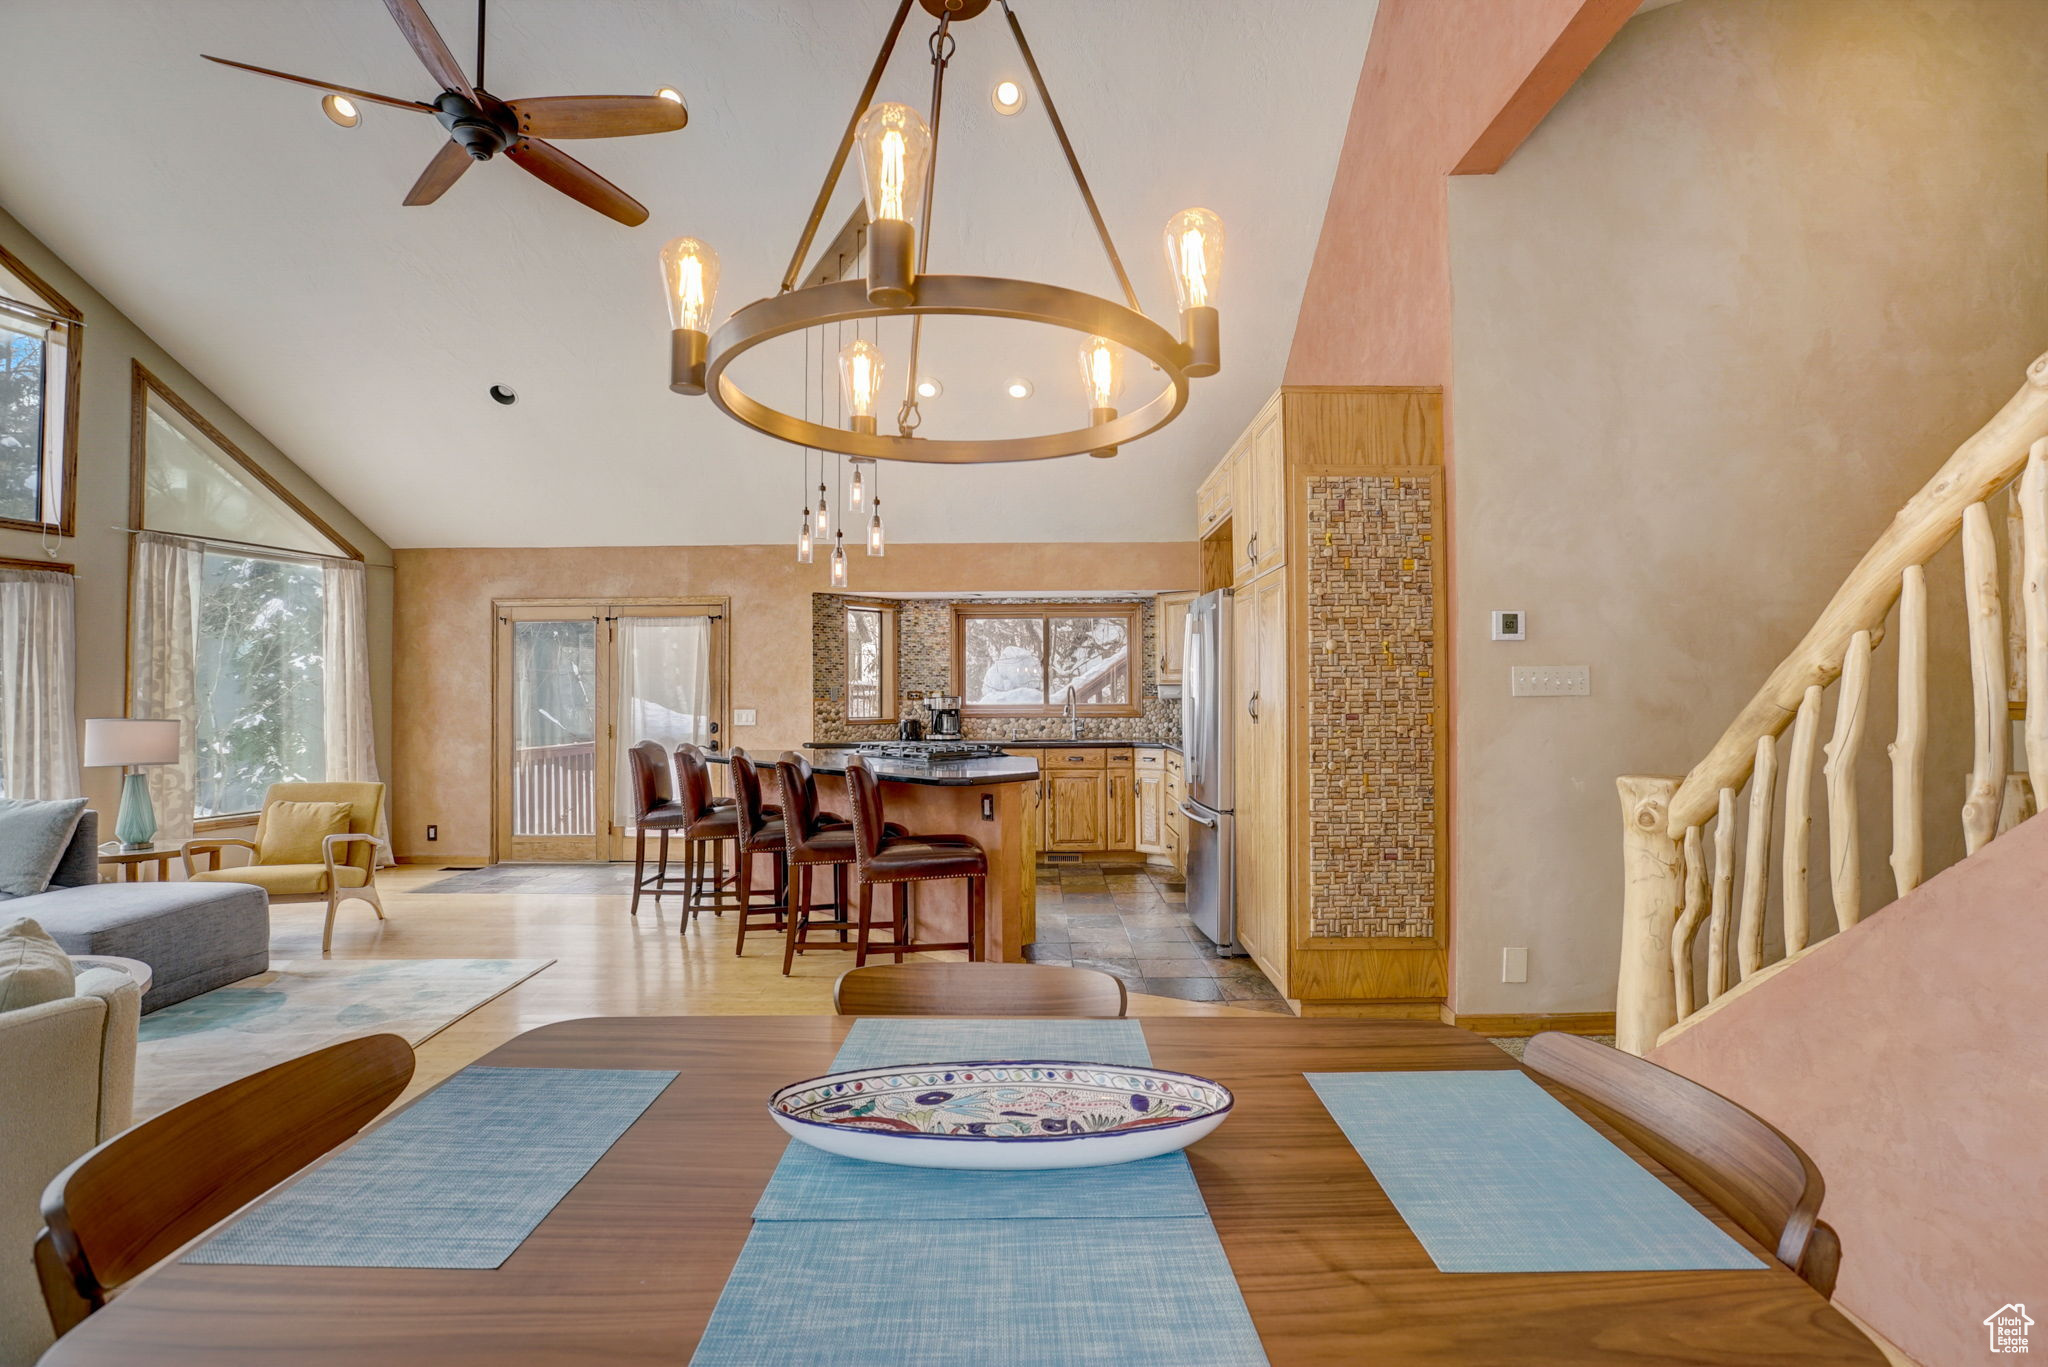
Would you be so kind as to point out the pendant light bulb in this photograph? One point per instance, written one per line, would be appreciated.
(839, 561)
(803, 541)
(875, 544)
(855, 495)
(1194, 253)
(1102, 371)
(860, 380)
(689, 273)
(895, 148)
(821, 521)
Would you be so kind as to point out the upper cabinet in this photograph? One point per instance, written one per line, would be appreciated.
(1170, 611)
(1249, 488)
(1212, 500)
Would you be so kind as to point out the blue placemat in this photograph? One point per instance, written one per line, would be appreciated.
(1022, 1293)
(459, 1179)
(1493, 1174)
(811, 1185)
(880, 1042)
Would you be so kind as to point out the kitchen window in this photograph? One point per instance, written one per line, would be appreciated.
(870, 662)
(39, 377)
(1014, 660)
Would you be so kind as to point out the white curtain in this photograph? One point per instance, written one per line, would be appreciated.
(345, 687)
(163, 670)
(38, 685)
(664, 689)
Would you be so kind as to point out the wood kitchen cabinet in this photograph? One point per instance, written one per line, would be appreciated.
(1170, 626)
(1176, 824)
(1148, 797)
(1119, 813)
(1074, 810)
(1258, 505)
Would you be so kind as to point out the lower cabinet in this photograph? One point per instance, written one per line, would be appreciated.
(1095, 799)
(1074, 810)
(1150, 801)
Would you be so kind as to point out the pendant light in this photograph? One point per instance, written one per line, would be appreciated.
(875, 545)
(856, 495)
(689, 269)
(839, 560)
(803, 541)
(1102, 380)
(821, 520)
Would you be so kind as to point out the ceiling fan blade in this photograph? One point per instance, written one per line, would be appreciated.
(443, 171)
(577, 181)
(347, 90)
(597, 116)
(428, 47)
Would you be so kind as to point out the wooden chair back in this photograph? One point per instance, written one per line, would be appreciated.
(651, 784)
(150, 1190)
(693, 781)
(365, 809)
(1745, 1166)
(864, 807)
(979, 989)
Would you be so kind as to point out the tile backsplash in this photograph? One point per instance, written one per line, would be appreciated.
(924, 664)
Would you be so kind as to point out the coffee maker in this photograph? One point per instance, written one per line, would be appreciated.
(945, 710)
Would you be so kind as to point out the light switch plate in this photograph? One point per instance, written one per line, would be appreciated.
(743, 716)
(1550, 681)
(1514, 964)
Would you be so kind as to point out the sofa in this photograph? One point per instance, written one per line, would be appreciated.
(69, 1083)
(194, 936)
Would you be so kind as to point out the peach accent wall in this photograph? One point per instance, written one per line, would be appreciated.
(1448, 86)
(443, 630)
(1906, 1058)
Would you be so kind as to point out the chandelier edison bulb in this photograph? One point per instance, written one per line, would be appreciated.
(839, 562)
(803, 541)
(875, 543)
(689, 273)
(895, 147)
(821, 520)
(860, 380)
(1102, 380)
(856, 495)
(1194, 253)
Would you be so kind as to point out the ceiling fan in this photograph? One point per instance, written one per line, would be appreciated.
(480, 125)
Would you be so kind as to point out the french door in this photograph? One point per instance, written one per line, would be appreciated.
(577, 683)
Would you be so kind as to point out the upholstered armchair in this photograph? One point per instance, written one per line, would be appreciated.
(315, 842)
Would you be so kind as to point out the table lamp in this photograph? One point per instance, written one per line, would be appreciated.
(131, 742)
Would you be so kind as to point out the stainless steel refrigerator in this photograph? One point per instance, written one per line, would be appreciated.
(1206, 719)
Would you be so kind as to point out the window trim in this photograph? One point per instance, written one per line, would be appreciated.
(891, 707)
(143, 384)
(74, 385)
(1131, 611)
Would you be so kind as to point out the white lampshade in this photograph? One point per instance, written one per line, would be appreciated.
(111, 741)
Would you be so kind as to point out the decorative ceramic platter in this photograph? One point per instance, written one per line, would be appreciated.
(1001, 1114)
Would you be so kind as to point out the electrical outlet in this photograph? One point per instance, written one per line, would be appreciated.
(1550, 681)
(1514, 964)
(743, 716)
(433, 832)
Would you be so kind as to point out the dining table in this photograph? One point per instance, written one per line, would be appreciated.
(628, 1266)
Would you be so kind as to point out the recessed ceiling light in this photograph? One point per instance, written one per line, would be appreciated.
(1007, 97)
(669, 93)
(503, 393)
(929, 388)
(1018, 389)
(341, 109)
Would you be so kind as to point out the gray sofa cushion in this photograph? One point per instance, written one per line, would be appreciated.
(80, 866)
(33, 839)
(194, 936)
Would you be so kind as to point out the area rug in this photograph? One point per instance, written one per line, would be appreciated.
(297, 1007)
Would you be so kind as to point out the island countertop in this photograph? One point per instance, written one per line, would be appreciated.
(1032, 743)
(950, 773)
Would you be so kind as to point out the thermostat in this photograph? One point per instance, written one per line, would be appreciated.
(1508, 625)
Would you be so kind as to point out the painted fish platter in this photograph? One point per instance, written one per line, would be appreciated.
(1001, 1114)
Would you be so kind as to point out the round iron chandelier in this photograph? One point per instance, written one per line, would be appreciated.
(897, 151)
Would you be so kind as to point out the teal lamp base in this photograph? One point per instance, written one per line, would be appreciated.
(135, 825)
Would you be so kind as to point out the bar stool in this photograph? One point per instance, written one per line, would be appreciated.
(756, 832)
(886, 861)
(654, 809)
(712, 822)
(813, 839)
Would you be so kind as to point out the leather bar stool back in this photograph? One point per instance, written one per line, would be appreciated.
(887, 860)
(757, 833)
(712, 822)
(654, 809)
(813, 839)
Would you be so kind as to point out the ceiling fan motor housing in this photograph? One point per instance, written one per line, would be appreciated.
(482, 130)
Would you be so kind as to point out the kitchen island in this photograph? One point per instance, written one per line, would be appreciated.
(992, 801)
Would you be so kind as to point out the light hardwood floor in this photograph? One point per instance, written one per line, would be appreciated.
(607, 963)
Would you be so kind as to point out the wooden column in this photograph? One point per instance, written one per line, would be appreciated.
(1646, 999)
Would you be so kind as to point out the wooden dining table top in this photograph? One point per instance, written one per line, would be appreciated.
(627, 1268)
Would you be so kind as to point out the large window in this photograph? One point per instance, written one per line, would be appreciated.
(39, 335)
(261, 671)
(1011, 660)
(870, 662)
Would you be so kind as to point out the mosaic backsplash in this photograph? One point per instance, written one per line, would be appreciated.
(1372, 715)
(924, 664)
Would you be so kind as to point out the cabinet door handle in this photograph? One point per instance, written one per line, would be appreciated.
(1251, 547)
(1251, 705)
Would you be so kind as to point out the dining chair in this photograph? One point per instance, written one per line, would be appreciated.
(315, 842)
(148, 1191)
(1754, 1174)
(979, 989)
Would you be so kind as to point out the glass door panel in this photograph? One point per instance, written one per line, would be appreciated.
(666, 689)
(551, 698)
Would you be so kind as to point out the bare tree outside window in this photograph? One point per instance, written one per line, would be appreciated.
(262, 718)
(864, 665)
(1022, 661)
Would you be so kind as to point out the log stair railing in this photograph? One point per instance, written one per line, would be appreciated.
(1679, 880)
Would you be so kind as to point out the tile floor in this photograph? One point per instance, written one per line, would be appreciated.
(1131, 920)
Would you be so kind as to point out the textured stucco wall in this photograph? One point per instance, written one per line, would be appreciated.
(1744, 290)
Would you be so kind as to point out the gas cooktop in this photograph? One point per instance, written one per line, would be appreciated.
(930, 751)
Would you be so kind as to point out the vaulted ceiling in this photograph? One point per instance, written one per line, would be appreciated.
(268, 250)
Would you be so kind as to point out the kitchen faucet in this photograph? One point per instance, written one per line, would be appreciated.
(1073, 717)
